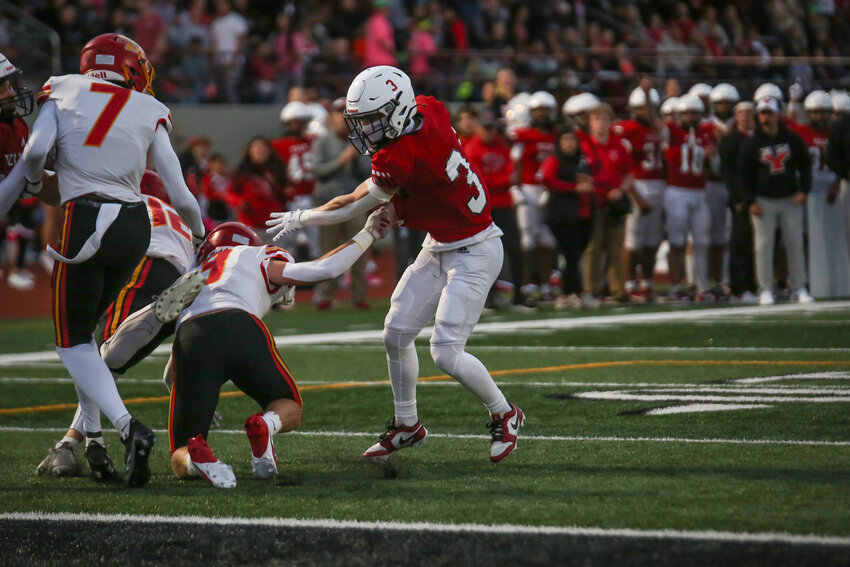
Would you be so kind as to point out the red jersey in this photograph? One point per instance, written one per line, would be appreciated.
(254, 197)
(610, 163)
(14, 134)
(646, 147)
(816, 141)
(295, 154)
(531, 147)
(441, 192)
(494, 163)
(687, 165)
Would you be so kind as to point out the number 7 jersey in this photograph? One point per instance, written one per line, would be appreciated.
(104, 133)
(441, 193)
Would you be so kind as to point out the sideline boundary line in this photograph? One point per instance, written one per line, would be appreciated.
(630, 533)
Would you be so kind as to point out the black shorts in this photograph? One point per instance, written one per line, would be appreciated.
(82, 292)
(211, 349)
(149, 279)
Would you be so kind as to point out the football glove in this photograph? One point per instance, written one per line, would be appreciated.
(31, 189)
(382, 221)
(283, 223)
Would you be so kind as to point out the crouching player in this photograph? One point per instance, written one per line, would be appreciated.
(221, 337)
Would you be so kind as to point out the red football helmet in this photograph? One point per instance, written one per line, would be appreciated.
(227, 234)
(115, 57)
(152, 185)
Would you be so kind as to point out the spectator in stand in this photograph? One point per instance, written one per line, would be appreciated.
(569, 211)
(379, 36)
(611, 163)
(149, 31)
(262, 67)
(489, 153)
(742, 276)
(258, 185)
(421, 47)
(193, 161)
(337, 167)
(466, 123)
(293, 47)
(215, 185)
(229, 34)
(775, 178)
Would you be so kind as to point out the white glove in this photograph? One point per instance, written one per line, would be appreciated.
(517, 196)
(795, 92)
(31, 189)
(284, 223)
(382, 221)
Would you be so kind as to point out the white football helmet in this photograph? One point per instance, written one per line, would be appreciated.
(818, 100)
(768, 90)
(840, 100)
(380, 103)
(517, 114)
(724, 92)
(690, 103)
(22, 97)
(637, 98)
(544, 100)
(702, 90)
(318, 118)
(295, 110)
(580, 103)
(668, 107)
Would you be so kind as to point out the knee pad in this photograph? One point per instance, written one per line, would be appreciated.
(446, 357)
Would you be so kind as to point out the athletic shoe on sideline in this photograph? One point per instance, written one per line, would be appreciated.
(766, 298)
(179, 295)
(802, 296)
(263, 458)
(503, 430)
(212, 470)
(397, 437)
(60, 461)
(138, 445)
(100, 464)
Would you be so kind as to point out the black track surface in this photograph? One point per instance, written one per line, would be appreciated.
(50, 543)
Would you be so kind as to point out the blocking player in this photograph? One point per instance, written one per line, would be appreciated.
(688, 151)
(645, 134)
(530, 146)
(419, 166)
(131, 330)
(103, 123)
(221, 337)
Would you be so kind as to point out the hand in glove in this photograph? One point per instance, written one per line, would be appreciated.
(283, 223)
(382, 221)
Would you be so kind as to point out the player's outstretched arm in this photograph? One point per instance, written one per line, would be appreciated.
(339, 209)
(168, 166)
(337, 261)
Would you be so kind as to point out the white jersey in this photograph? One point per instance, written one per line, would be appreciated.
(104, 133)
(171, 238)
(237, 278)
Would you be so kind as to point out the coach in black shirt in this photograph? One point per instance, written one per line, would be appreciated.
(775, 178)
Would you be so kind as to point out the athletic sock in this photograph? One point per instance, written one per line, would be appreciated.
(272, 422)
(123, 425)
(95, 437)
(74, 443)
(190, 466)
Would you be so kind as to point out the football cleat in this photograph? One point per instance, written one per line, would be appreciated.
(503, 431)
(60, 461)
(100, 464)
(179, 295)
(138, 446)
(263, 459)
(212, 470)
(397, 437)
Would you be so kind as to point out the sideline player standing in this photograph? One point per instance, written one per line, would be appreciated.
(419, 165)
(103, 123)
(221, 337)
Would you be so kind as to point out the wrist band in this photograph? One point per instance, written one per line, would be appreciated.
(364, 239)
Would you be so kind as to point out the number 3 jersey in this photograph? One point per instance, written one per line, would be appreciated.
(104, 133)
(237, 278)
(441, 193)
(171, 238)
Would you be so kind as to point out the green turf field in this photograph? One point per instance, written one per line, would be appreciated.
(734, 420)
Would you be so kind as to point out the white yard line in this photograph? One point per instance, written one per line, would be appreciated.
(552, 438)
(507, 529)
(544, 324)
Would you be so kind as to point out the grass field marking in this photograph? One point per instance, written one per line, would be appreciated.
(623, 396)
(509, 529)
(549, 438)
(440, 377)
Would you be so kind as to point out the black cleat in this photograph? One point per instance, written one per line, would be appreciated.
(138, 444)
(99, 462)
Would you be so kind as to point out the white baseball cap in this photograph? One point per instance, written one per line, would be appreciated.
(769, 104)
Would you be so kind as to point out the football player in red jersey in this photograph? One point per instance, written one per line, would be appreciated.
(645, 224)
(420, 167)
(294, 150)
(530, 146)
(829, 270)
(689, 149)
(14, 134)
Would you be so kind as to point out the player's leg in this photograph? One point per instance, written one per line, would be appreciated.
(676, 215)
(700, 226)
(592, 268)
(527, 215)
(717, 197)
(469, 274)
